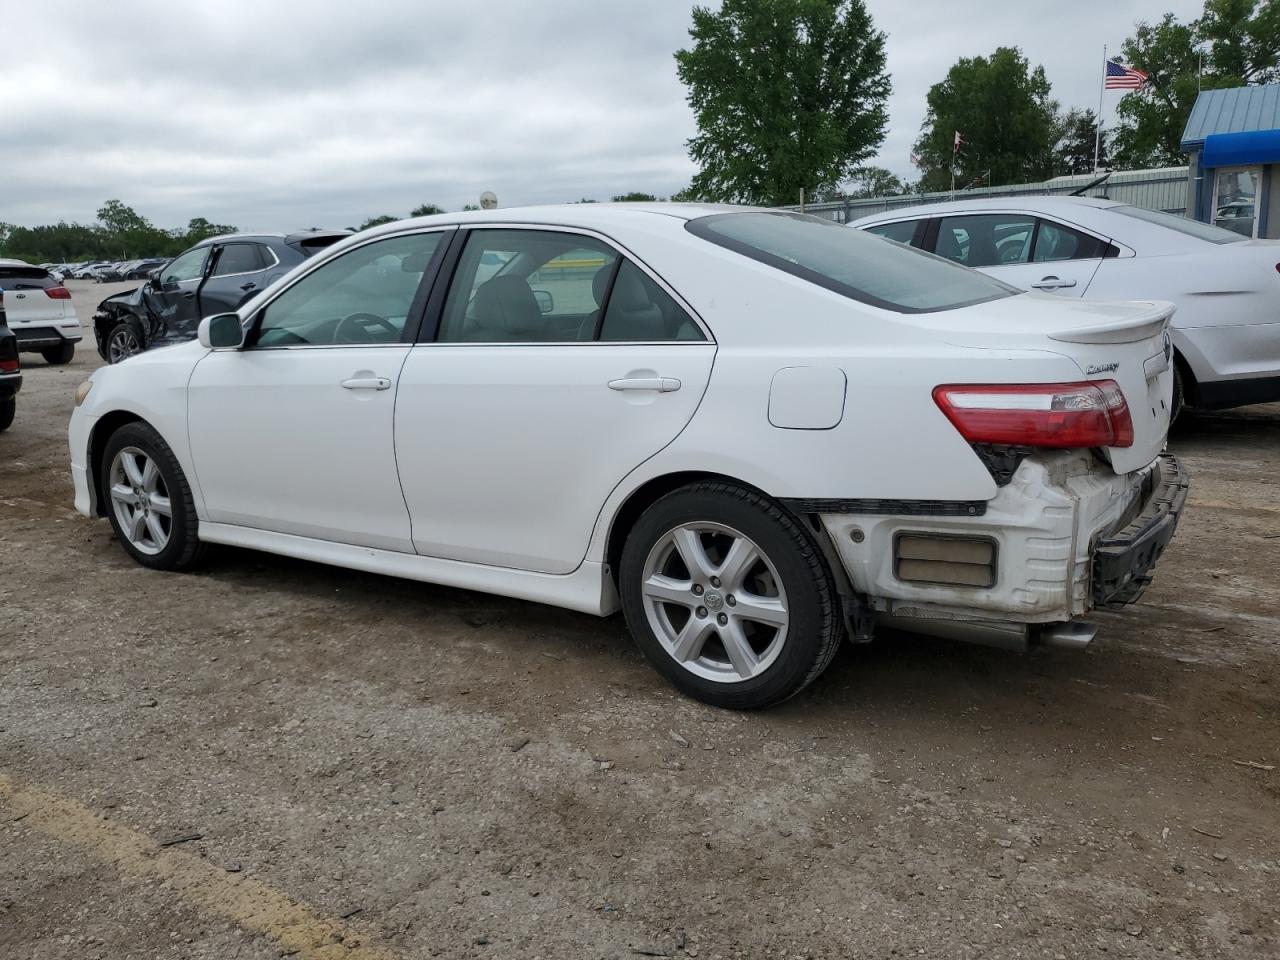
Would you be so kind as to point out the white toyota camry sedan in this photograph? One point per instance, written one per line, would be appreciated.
(1226, 332)
(753, 432)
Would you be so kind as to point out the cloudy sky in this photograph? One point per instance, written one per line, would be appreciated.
(276, 114)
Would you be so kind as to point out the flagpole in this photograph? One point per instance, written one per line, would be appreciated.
(1102, 86)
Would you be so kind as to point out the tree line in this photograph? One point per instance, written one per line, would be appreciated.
(792, 94)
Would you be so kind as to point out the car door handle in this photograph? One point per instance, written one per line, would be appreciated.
(1052, 283)
(660, 384)
(248, 286)
(367, 383)
(189, 295)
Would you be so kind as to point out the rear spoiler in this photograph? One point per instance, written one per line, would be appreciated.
(316, 238)
(1132, 329)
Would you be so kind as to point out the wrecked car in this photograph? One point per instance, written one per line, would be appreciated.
(217, 275)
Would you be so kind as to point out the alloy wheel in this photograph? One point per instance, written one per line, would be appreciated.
(140, 500)
(715, 602)
(124, 343)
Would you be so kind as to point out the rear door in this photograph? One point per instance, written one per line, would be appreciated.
(560, 365)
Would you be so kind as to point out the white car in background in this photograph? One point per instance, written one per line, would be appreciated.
(41, 314)
(1226, 288)
(754, 432)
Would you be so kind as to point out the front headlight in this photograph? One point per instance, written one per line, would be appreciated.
(82, 391)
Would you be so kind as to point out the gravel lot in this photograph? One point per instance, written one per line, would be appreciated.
(361, 767)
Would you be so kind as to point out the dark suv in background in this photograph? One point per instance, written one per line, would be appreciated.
(217, 275)
(10, 371)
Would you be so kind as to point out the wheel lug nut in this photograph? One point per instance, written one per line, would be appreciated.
(722, 619)
(697, 589)
(715, 581)
(731, 600)
(702, 612)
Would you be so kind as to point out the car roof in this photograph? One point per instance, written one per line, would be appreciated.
(588, 215)
(1044, 204)
(18, 263)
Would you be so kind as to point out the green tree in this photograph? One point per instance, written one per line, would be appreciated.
(635, 196)
(377, 221)
(1076, 137)
(198, 228)
(787, 94)
(427, 210)
(1001, 107)
(872, 181)
(468, 207)
(1236, 41)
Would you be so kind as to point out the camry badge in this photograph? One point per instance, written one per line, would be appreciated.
(1093, 368)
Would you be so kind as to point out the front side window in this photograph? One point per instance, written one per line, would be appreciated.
(986, 239)
(903, 231)
(238, 258)
(363, 296)
(849, 262)
(188, 266)
(527, 286)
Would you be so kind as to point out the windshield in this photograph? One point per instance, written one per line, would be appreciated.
(858, 265)
(1192, 228)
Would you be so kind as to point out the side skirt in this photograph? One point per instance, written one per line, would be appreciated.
(587, 590)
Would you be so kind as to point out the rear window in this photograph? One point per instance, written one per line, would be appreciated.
(26, 278)
(850, 262)
(1192, 228)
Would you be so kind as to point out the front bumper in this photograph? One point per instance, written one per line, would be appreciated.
(1124, 560)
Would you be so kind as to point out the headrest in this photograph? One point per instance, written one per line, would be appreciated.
(507, 304)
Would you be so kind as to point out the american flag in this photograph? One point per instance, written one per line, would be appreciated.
(1120, 77)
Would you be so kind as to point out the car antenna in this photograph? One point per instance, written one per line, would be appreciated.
(1090, 185)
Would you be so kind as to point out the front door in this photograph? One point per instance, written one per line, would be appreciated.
(236, 274)
(172, 298)
(559, 366)
(1024, 250)
(293, 433)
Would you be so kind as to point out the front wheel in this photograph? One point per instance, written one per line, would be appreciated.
(729, 596)
(62, 353)
(148, 499)
(124, 340)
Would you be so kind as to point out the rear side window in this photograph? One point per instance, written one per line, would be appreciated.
(640, 310)
(1057, 242)
(986, 239)
(26, 278)
(1192, 228)
(849, 262)
(903, 231)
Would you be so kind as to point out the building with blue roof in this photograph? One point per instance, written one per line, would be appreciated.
(1232, 139)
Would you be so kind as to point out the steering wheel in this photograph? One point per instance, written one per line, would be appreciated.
(356, 328)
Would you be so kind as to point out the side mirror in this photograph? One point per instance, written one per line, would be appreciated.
(221, 331)
(546, 302)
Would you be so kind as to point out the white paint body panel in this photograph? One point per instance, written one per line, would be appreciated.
(503, 467)
(1227, 296)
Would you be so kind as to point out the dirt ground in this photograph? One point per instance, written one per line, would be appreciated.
(350, 766)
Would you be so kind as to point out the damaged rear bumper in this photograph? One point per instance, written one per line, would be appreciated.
(1064, 536)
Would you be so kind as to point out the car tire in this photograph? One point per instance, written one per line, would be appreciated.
(124, 340)
(139, 480)
(8, 409)
(1179, 402)
(755, 623)
(57, 356)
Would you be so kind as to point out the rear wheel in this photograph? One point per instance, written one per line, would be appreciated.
(728, 596)
(1179, 400)
(124, 340)
(148, 499)
(8, 408)
(56, 356)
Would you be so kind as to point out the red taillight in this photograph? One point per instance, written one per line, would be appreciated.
(8, 366)
(58, 293)
(1090, 414)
